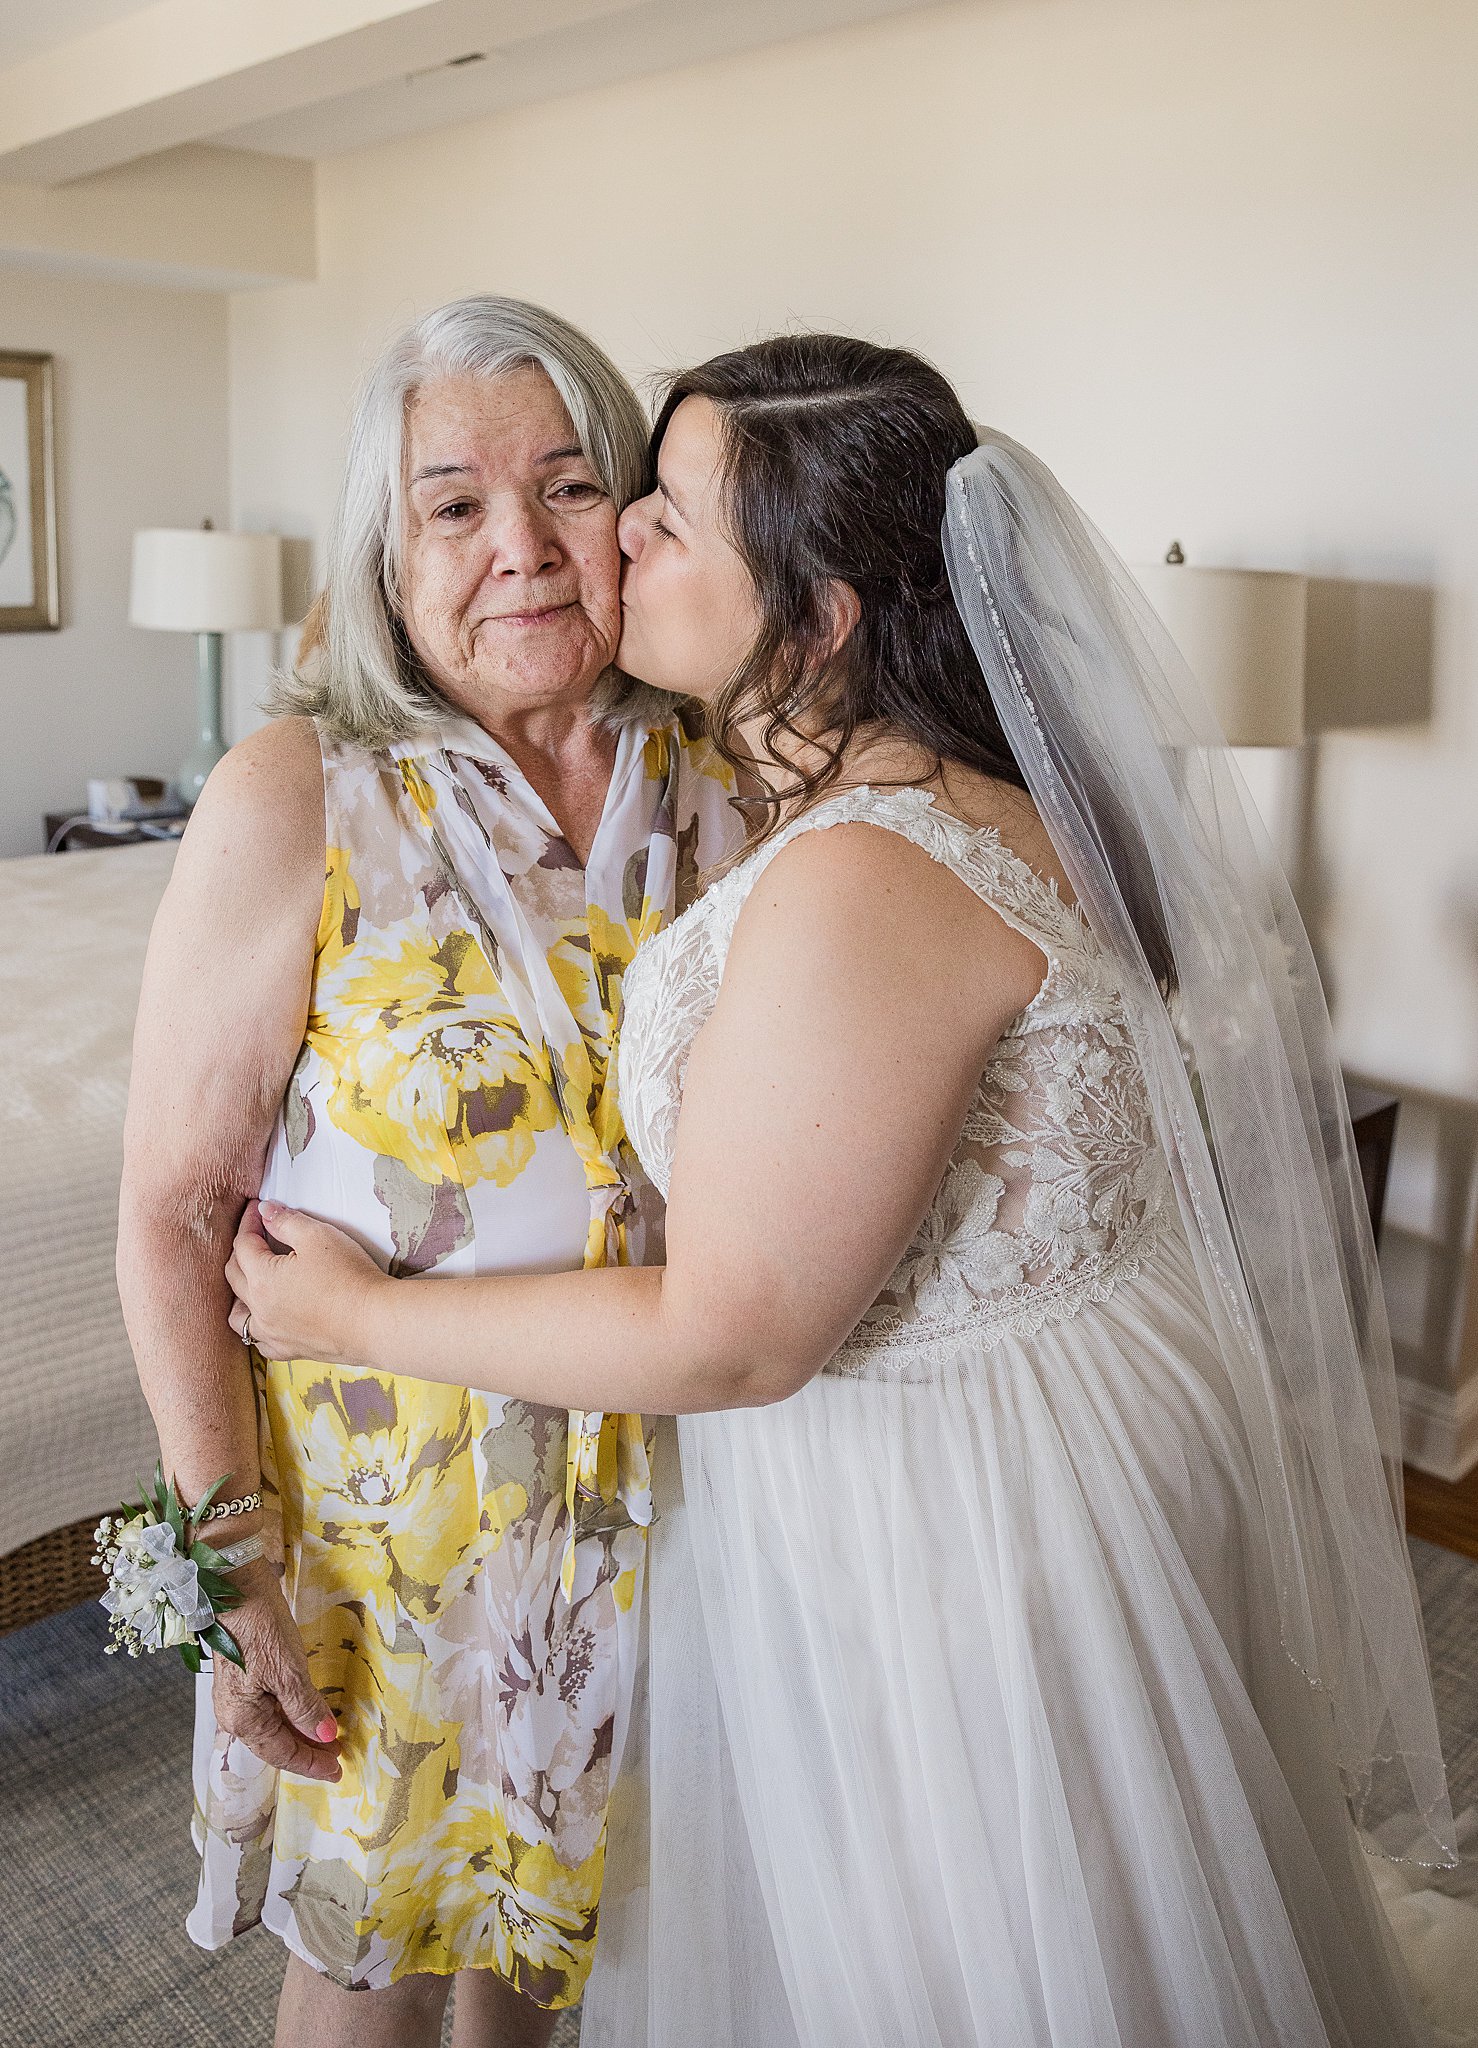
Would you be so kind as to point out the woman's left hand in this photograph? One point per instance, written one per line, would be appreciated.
(305, 1288)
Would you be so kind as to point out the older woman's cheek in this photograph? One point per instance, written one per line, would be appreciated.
(436, 613)
(604, 613)
(600, 582)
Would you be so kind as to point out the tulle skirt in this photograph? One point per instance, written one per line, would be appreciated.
(965, 1720)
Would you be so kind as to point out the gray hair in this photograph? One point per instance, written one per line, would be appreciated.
(356, 672)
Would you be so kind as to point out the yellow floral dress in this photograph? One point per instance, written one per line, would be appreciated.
(466, 1570)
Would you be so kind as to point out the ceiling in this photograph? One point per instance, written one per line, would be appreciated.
(632, 38)
(26, 26)
(89, 85)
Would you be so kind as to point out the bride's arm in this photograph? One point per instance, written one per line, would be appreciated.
(861, 996)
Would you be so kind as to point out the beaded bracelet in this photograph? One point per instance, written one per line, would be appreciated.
(246, 1505)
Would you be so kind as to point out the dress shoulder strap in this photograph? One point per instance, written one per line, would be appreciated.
(1025, 900)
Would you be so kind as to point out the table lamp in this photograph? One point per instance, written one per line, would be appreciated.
(1242, 634)
(196, 580)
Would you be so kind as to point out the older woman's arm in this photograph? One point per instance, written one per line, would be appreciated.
(220, 1024)
(861, 997)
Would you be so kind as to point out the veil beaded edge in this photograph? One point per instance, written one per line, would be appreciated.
(1125, 762)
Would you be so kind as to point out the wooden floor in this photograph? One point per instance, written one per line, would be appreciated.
(1443, 1511)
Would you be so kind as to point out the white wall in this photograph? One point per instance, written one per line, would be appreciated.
(1213, 259)
(141, 441)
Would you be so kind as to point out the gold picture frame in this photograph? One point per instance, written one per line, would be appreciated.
(29, 588)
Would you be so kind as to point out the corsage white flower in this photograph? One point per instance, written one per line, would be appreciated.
(166, 1590)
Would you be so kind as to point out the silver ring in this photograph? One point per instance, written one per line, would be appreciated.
(246, 1329)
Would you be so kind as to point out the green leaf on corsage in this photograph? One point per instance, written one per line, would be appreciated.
(218, 1589)
(216, 1639)
(206, 1498)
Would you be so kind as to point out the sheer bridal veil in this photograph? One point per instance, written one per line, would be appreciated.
(1156, 832)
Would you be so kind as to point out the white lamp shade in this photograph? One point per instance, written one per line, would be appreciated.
(194, 580)
(1242, 634)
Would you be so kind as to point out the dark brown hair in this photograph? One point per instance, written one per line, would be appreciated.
(836, 453)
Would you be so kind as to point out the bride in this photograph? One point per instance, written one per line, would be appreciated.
(1030, 1622)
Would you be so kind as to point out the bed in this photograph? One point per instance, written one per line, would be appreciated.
(74, 1430)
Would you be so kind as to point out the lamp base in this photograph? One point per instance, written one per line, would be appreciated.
(209, 748)
(193, 772)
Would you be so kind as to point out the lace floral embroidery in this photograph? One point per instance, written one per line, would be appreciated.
(1057, 1185)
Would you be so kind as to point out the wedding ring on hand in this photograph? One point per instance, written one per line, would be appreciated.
(246, 1329)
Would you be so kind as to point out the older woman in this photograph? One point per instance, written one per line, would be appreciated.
(385, 985)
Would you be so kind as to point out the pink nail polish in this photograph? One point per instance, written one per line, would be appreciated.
(327, 1728)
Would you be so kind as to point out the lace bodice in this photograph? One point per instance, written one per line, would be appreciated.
(1057, 1185)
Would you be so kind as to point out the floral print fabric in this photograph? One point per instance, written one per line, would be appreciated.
(465, 1570)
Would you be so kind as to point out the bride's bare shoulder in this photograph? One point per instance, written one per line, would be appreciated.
(862, 899)
(984, 802)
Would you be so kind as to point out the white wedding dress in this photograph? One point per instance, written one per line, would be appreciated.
(966, 1718)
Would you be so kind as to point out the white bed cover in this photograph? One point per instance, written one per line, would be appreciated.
(74, 1429)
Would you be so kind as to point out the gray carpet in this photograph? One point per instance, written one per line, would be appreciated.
(97, 1871)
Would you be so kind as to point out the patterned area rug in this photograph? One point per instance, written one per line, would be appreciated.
(97, 1869)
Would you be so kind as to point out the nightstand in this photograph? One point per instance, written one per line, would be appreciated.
(82, 832)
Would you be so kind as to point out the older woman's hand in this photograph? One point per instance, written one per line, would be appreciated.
(269, 1701)
(306, 1299)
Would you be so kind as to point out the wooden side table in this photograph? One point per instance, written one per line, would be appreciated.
(1373, 1113)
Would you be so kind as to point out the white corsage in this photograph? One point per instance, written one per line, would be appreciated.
(166, 1589)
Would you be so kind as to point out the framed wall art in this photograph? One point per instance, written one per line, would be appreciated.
(28, 572)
